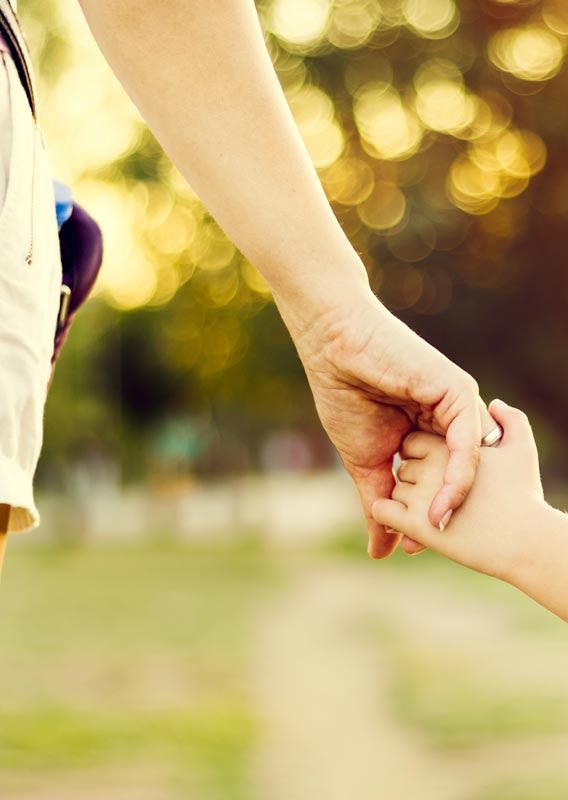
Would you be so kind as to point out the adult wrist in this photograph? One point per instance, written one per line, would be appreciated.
(319, 307)
(306, 295)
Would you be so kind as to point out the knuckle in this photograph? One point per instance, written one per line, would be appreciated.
(470, 384)
(475, 456)
(460, 493)
(412, 438)
(413, 442)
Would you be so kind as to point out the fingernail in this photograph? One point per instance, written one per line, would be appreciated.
(445, 519)
(390, 530)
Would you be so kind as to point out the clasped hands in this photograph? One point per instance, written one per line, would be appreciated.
(380, 389)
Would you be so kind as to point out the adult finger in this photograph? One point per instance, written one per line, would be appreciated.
(463, 437)
(459, 462)
(417, 447)
(370, 484)
(411, 547)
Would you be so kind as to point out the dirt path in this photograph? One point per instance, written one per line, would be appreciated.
(324, 693)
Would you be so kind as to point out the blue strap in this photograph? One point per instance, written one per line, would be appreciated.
(63, 202)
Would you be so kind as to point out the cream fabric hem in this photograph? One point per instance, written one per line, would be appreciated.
(30, 283)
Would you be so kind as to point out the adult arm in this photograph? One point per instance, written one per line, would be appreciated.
(200, 74)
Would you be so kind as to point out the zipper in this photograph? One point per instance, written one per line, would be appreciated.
(30, 253)
(7, 27)
(21, 61)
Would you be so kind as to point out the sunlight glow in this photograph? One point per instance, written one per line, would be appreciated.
(384, 209)
(314, 113)
(353, 22)
(531, 53)
(389, 129)
(300, 22)
(432, 19)
(349, 181)
(442, 102)
(555, 16)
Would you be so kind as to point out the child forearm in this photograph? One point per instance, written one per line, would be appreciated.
(542, 570)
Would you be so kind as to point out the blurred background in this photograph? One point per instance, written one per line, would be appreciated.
(196, 617)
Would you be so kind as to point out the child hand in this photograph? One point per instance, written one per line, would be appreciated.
(492, 531)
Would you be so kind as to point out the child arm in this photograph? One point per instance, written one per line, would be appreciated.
(505, 528)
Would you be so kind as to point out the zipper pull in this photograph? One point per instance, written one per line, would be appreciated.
(30, 253)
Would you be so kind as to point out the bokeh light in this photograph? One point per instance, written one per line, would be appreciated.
(353, 22)
(435, 19)
(531, 53)
(442, 102)
(384, 208)
(349, 181)
(315, 116)
(299, 23)
(402, 112)
(388, 128)
(555, 16)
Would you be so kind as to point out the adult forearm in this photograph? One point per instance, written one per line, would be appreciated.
(201, 77)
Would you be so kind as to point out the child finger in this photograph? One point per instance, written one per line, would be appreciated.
(390, 513)
(515, 423)
(409, 471)
(403, 492)
(416, 445)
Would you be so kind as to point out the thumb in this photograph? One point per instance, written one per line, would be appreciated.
(516, 426)
(463, 435)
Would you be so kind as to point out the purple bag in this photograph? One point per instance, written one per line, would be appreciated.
(81, 246)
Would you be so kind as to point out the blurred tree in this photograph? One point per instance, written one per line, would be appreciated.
(439, 129)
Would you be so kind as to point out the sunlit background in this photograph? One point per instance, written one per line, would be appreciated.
(196, 617)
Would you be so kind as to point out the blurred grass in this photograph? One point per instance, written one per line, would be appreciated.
(462, 694)
(456, 708)
(134, 655)
(544, 788)
(525, 615)
(128, 667)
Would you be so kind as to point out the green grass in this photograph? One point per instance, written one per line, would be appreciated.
(208, 743)
(456, 709)
(121, 656)
(547, 787)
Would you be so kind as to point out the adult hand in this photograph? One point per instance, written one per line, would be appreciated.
(373, 381)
